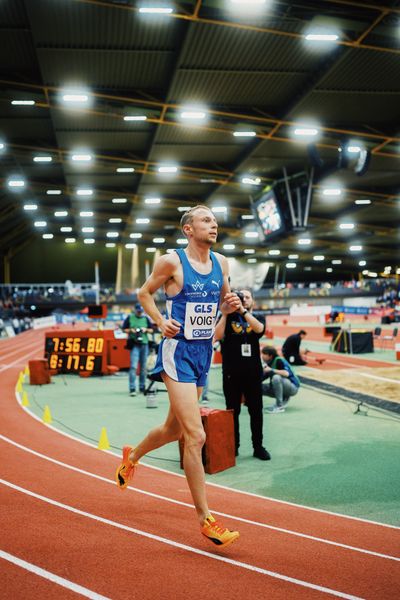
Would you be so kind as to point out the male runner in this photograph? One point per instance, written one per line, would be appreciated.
(195, 281)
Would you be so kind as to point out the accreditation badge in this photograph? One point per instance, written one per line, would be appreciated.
(246, 349)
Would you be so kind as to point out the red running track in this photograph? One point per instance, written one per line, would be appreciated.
(67, 531)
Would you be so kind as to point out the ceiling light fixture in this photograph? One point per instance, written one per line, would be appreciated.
(244, 134)
(136, 236)
(16, 183)
(307, 132)
(53, 192)
(362, 201)
(193, 114)
(152, 200)
(156, 10)
(84, 192)
(82, 157)
(119, 200)
(168, 169)
(70, 240)
(22, 102)
(75, 98)
(142, 221)
(332, 192)
(42, 159)
(321, 37)
(30, 206)
(251, 180)
(135, 118)
(125, 170)
(61, 213)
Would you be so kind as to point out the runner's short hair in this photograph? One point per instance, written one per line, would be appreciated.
(187, 217)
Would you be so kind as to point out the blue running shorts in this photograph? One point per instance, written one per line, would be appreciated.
(183, 360)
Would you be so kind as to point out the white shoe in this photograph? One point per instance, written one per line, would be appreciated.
(275, 409)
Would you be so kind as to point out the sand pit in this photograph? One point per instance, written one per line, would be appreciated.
(382, 383)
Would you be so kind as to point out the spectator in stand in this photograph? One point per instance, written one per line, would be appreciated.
(291, 348)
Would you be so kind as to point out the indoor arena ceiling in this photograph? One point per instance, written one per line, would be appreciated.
(251, 72)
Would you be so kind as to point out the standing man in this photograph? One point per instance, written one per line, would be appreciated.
(291, 348)
(195, 281)
(283, 383)
(240, 335)
(137, 325)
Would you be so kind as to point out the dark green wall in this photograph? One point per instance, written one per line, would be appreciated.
(55, 262)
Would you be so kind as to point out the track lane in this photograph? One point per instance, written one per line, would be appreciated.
(124, 565)
(33, 433)
(265, 549)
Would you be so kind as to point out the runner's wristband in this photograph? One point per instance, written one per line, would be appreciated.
(244, 313)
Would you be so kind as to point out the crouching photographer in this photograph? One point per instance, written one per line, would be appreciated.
(282, 383)
(240, 334)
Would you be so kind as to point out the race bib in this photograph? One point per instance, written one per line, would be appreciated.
(200, 320)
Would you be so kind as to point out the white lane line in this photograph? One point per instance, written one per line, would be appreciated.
(187, 505)
(209, 483)
(379, 378)
(74, 587)
(169, 542)
(21, 360)
(21, 351)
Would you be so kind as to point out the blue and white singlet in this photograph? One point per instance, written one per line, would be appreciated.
(186, 357)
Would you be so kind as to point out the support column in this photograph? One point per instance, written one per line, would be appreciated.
(7, 267)
(125, 261)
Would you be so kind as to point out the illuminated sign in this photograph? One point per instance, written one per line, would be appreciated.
(74, 354)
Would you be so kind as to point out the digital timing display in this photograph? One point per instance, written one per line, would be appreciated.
(75, 345)
(73, 363)
(74, 354)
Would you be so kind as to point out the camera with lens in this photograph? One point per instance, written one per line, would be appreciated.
(239, 295)
(138, 335)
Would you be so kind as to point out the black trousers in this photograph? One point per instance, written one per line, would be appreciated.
(294, 359)
(234, 386)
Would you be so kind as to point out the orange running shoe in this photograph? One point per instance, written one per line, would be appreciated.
(126, 469)
(217, 533)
